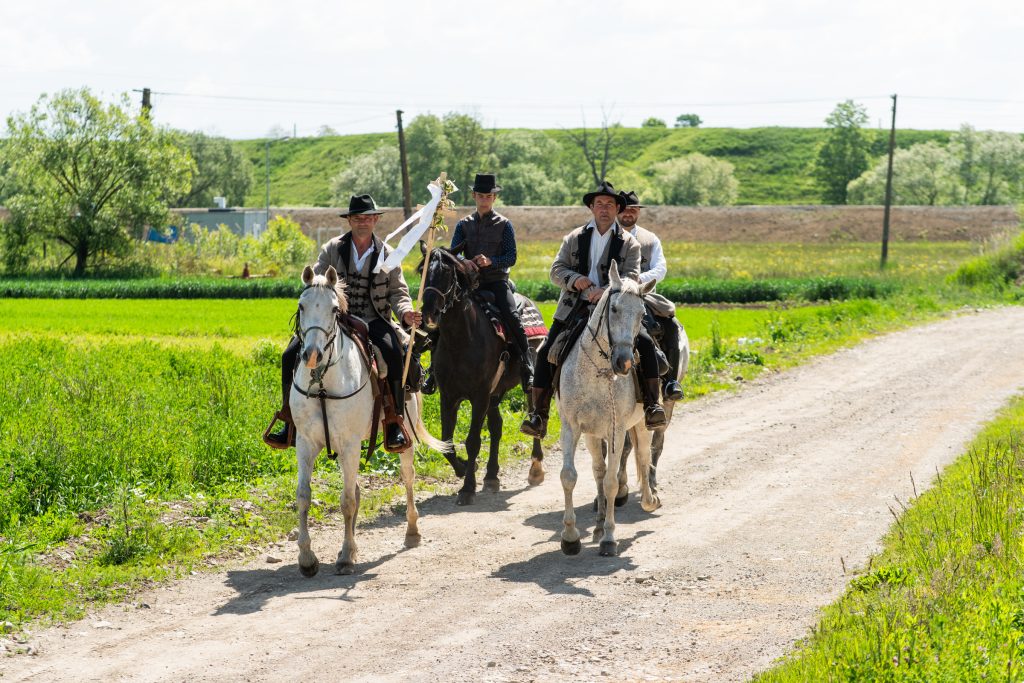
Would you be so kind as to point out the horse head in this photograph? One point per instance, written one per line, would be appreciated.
(447, 279)
(623, 308)
(316, 322)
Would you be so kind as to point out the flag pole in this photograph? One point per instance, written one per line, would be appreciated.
(442, 182)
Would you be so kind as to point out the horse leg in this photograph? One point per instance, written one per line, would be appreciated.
(309, 565)
(349, 458)
(598, 449)
(494, 425)
(412, 515)
(570, 534)
(467, 494)
(449, 418)
(648, 498)
(536, 476)
(623, 493)
(609, 548)
(658, 445)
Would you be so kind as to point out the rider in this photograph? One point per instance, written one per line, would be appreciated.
(581, 270)
(488, 245)
(372, 297)
(654, 267)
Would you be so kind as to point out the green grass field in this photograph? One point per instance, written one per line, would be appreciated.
(129, 430)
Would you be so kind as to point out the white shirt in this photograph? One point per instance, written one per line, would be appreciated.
(658, 267)
(598, 242)
(360, 261)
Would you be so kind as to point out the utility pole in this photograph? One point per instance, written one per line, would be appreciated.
(406, 191)
(147, 104)
(888, 187)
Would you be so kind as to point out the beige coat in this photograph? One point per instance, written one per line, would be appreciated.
(658, 304)
(572, 263)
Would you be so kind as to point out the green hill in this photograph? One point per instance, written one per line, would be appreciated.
(772, 164)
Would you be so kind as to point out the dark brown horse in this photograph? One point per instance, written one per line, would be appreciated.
(470, 362)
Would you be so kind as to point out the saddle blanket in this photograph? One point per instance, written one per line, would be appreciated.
(533, 321)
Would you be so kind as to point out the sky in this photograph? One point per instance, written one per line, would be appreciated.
(246, 69)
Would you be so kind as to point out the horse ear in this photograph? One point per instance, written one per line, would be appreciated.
(648, 287)
(613, 275)
(307, 275)
(332, 276)
(423, 247)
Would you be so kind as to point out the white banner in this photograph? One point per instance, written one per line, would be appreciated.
(426, 216)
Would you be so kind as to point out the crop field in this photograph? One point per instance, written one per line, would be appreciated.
(130, 428)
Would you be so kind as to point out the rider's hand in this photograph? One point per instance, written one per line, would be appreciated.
(412, 318)
(582, 283)
(471, 265)
(482, 260)
(595, 295)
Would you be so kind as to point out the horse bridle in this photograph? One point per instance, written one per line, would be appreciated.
(605, 318)
(453, 290)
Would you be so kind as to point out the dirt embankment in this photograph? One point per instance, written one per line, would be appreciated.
(733, 223)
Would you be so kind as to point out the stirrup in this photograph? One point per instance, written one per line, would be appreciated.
(281, 440)
(672, 391)
(655, 418)
(392, 447)
(537, 432)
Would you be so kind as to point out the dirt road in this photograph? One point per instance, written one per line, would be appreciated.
(763, 491)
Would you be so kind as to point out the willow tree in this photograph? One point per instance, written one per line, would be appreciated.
(91, 175)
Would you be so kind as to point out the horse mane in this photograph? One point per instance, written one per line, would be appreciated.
(320, 281)
(468, 278)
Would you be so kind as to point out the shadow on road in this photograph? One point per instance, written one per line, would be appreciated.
(256, 587)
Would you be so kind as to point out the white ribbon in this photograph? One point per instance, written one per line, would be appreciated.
(426, 216)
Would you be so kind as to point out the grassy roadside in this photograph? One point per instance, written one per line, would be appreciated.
(944, 600)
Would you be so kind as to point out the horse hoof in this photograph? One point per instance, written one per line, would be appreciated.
(310, 571)
(621, 500)
(609, 549)
(344, 568)
(412, 540)
(465, 498)
(536, 476)
(491, 485)
(572, 547)
(653, 505)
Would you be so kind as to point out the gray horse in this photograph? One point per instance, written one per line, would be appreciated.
(597, 400)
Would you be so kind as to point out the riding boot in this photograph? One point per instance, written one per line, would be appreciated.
(654, 414)
(671, 389)
(429, 385)
(514, 324)
(394, 438)
(536, 423)
(285, 436)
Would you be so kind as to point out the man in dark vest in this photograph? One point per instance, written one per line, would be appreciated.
(487, 243)
(372, 297)
(581, 271)
(653, 266)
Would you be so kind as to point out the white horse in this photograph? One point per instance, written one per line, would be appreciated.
(333, 356)
(597, 400)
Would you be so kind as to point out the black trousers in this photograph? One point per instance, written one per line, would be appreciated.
(544, 371)
(381, 333)
(670, 343)
(506, 303)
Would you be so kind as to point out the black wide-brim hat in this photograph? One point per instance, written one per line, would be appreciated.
(485, 183)
(605, 189)
(361, 205)
(631, 199)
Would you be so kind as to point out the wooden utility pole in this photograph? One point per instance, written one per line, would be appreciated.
(147, 103)
(888, 188)
(406, 190)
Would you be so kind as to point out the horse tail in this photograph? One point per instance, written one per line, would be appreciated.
(424, 436)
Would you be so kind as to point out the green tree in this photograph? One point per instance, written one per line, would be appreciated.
(989, 165)
(221, 171)
(524, 183)
(90, 175)
(844, 154)
(378, 173)
(694, 180)
(922, 175)
(472, 149)
(688, 121)
(429, 153)
(653, 122)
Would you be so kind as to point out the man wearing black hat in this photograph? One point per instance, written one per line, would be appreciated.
(372, 297)
(654, 267)
(486, 241)
(581, 270)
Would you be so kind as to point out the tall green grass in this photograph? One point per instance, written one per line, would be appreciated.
(944, 600)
